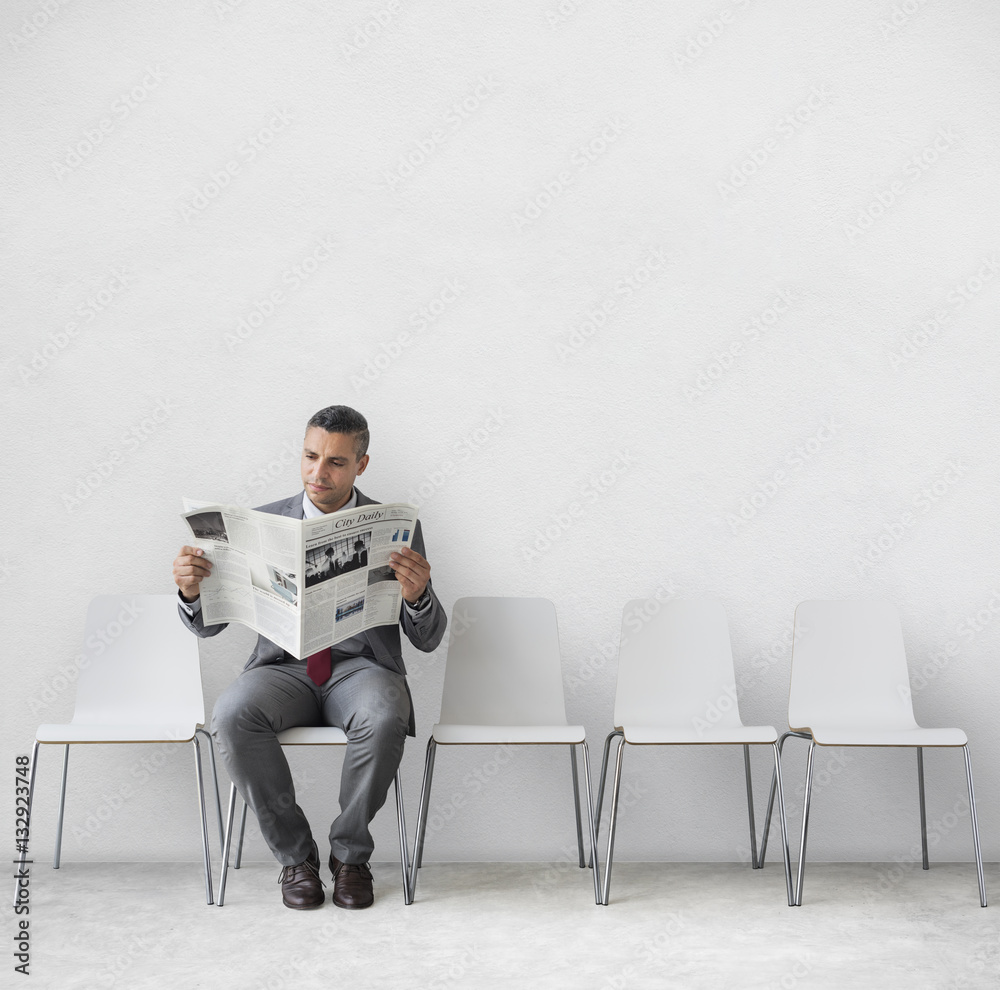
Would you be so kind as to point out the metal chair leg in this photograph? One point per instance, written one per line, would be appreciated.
(770, 800)
(404, 849)
(600, 786)
(753, 828)
(975, 828)
(57, 859)
(784, 827)
(612, 824)
(18, 886)
(923, 807)
(576, 806)
(226, 844)
(425, 797)
(215, 780)
(243, 832)
(204, 820)
(805, 825)
(590, 818)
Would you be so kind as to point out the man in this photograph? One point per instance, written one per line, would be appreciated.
(359, 685)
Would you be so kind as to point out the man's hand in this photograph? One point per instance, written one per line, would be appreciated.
(190, 569)
(412, 572)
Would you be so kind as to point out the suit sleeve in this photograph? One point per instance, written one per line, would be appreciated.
(191, 615)
(425, 629)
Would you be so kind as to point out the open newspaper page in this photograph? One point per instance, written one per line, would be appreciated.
(349, 585)
(304, 584)
(256, 567)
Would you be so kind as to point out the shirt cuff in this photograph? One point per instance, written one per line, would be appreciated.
(422, 607)
(192, 608)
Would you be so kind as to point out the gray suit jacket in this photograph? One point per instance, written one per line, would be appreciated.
(425, 630)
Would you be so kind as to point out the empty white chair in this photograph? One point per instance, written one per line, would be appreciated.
(503, 685)
(139, 682)
(677, 686)
(310, 735)
(850, 687)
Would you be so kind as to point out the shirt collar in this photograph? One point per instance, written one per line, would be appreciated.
(309, 511)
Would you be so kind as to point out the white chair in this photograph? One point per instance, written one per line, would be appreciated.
(139, 682)
(677, 687)
(310, 735)
(503, 686)
(850, 687)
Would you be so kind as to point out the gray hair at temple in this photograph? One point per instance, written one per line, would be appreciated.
(343, 419)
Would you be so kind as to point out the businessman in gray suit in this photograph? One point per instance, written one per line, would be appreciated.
(358, 685)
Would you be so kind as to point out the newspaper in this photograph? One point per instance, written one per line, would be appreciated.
(305, 584)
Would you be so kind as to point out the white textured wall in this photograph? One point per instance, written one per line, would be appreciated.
(782, 214)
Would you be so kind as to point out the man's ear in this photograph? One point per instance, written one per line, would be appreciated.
(362, 464)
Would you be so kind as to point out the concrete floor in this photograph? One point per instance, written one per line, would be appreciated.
(688, 926)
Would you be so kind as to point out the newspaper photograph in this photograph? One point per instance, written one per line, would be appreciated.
(305, 584)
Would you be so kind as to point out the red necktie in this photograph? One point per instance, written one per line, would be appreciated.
(319, 666)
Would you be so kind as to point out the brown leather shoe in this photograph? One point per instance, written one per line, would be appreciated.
(301, 887)
(352, 884)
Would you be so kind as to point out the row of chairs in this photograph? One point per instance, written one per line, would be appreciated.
(503, 686)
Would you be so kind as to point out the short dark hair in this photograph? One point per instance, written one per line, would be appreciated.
(343, 419)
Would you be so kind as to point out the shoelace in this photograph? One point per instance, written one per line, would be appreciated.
(300, 866)
(362, 868)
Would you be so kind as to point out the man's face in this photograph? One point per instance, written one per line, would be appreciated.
(329, 468)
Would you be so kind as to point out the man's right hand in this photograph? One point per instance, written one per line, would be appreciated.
(190, 569)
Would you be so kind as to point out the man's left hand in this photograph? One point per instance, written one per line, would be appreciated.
(412, 572)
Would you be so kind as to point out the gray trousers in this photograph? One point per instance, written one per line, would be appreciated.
(367, 701)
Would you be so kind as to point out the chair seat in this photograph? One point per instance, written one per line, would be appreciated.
(835, 735)
(312, 735)
(447, 735)
(640, 735)
(100, 732)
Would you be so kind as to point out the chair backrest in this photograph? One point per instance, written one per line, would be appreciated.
(504, 665)
(139, 664)
(675, 665)
(849, 667)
